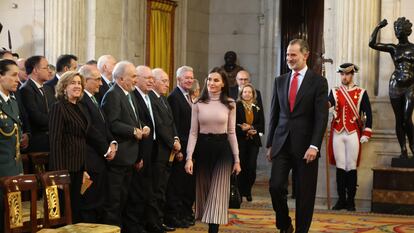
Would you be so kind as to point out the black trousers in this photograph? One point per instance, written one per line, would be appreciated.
(161, 171)
(248, 151)
(141, 209)
(75, 196)
(306, 177)
(180, 190)
(92, 201)
(119, 178)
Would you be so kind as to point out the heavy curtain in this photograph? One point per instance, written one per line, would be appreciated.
(160, 35)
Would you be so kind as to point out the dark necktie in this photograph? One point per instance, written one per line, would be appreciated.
(94, 101)
(42, 90)
(188, 97)
(97, 105)
(163, 102)
(293, 90)
(132, 105)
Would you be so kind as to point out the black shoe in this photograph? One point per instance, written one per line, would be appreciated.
(190, 219)
(155, 229)
(167, 228)
(141, 230)
(174, 222)
(249, 198)
(184, 223)
(340, 204)
(288, 230)
(350, 205)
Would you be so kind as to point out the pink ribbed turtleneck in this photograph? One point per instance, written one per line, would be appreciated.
(213, 117)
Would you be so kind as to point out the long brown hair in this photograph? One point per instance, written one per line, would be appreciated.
(224, 94)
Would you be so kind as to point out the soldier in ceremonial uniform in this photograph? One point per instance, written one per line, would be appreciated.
(10, 130)
(351, 126)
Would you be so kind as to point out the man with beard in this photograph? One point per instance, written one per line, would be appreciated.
(298, 117)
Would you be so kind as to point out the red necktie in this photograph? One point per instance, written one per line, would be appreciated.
(293, 90)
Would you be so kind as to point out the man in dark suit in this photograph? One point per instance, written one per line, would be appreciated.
(298, 118)
(140, 211)
(106, 64)
(10, 164)
(119, 106)
(181, 186)
(65, 62)
(37, 100)
(144, 211)
(167, 140)
(92, 201)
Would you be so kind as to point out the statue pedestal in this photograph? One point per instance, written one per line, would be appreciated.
(393, 190)
(402, 162)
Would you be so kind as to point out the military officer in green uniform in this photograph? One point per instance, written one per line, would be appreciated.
(10, 160)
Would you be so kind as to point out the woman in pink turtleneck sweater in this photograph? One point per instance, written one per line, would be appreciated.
(212, 145)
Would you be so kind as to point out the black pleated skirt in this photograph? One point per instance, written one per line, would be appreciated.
(213, 167)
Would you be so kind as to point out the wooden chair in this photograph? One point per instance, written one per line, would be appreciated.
(52, 182)
(13, 210)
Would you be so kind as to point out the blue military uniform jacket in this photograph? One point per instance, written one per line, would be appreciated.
(10, 131)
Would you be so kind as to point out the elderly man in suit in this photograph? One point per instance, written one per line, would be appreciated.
(10, 130)
(92, 201)
(141, 211)
(105, 64)
(37, 100)
(181, 186)
(168, 143)
(121, 110)
(298, 118)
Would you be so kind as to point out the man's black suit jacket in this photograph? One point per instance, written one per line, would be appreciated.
(52, 84)
(102, 90)
(165, 129)
(122, 121)
(146, 148)
(181, 111)
(37, 111)
(99, 136)
(306, 124)
(22, 111)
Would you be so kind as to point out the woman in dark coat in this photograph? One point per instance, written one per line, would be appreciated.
(69, 124)
(250, 125)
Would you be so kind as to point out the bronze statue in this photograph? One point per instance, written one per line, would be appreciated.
(401, 86)
(231, 68)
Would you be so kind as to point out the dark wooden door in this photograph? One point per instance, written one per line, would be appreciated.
(303, 19)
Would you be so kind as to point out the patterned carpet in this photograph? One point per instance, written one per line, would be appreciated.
(258, 216)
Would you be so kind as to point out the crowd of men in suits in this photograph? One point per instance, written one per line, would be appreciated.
(144, 188)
